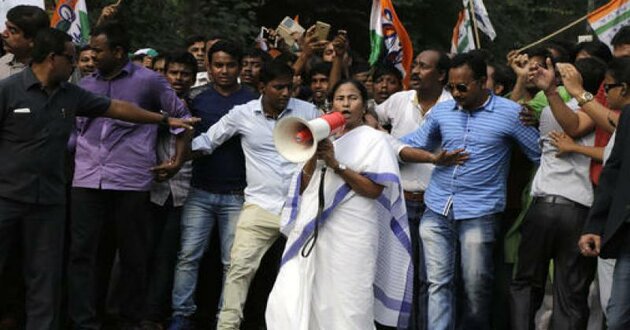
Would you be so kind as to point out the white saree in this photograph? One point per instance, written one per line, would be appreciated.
(360, 268)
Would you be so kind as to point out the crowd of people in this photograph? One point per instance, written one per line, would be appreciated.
(459, 201)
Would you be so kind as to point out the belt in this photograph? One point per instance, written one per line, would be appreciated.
(557, 200)
(416, 196)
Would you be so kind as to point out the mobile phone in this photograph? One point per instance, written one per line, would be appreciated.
(322, 30)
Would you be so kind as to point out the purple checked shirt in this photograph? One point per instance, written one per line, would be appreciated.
(113, 154)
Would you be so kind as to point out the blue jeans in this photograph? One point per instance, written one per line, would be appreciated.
(618, 311)
(445, 242)
(200, 214)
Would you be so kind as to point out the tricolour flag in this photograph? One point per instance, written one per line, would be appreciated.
(387, 30)
(71, 17)
(462, 40)
(483, 20)
(609, 18)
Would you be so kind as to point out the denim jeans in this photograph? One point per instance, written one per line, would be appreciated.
(200, 214)
(445, 242)
(618, 311)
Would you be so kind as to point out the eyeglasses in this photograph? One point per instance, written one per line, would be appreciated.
(608, 87)
(462, 88)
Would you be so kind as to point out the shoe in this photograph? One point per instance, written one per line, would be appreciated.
(180, 322)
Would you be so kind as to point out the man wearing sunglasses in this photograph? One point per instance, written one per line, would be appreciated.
(464, 201)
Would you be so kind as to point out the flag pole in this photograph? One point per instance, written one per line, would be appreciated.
(570, 25)
(471, 8)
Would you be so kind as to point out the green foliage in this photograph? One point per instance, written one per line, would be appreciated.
(163, 24)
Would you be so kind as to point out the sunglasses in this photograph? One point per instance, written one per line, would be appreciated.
(608, 87)
(462, 88)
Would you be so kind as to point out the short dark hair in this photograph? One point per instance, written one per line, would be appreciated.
(359, 66)
(539, 52)
(194, 39)
(474, 62)
(595, 48)
(287, 57)
(622, 37)
(592, 70)
(82, 48)
(48, 41)
(503, 75)
(181, 57)
(116, 34)
(566, 50)
(322, 68)
(275, 69)
(30, 19)
(362, 89)
(255, 52)
(385, 69)
(619, 69)
(228, 47)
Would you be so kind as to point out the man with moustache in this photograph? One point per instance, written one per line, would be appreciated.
(319, 82)
(460, 225)
(112, 179)
(405, 111)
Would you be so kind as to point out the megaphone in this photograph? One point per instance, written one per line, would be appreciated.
(296, 139)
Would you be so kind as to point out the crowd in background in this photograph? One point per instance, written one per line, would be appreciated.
(501, 181)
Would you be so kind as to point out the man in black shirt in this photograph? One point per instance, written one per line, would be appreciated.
(37, 110)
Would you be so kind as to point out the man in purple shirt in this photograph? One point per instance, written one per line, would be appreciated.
(112, 179)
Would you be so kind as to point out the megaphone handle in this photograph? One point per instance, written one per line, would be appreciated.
(310, 243)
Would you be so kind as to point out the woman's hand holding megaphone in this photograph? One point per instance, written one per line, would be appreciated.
(326, 152)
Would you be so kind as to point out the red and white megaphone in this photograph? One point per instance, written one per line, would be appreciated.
(296, 139)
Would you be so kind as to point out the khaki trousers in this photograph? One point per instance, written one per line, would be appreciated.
(256, 231)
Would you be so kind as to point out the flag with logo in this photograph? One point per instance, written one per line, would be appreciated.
(71, 17)
(462, 40)
(483, 20)
(389, 35)
(609, 18)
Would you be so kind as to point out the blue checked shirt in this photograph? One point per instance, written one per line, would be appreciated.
(478, 187)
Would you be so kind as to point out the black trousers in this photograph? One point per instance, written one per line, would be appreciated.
(551, 232)
(39, 229)
(95, 212)
(166, 243)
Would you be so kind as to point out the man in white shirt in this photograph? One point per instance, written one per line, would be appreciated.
(268, 177)
(405, 112)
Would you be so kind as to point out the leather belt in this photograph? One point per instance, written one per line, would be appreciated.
(416, 196)
(557, 200)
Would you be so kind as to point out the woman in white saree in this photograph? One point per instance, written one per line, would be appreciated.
(347, 261)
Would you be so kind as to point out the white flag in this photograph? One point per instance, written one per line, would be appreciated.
(482, 18)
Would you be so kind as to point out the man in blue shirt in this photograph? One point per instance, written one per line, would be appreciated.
(463, 201)
(218, 180)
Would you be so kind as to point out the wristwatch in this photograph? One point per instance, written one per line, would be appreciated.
(585, 98)
(340, 167)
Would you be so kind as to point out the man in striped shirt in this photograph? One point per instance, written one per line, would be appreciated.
(464, 201)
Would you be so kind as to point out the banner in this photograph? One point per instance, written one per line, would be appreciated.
(387, 31)
(609, 18)
(71, 17)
